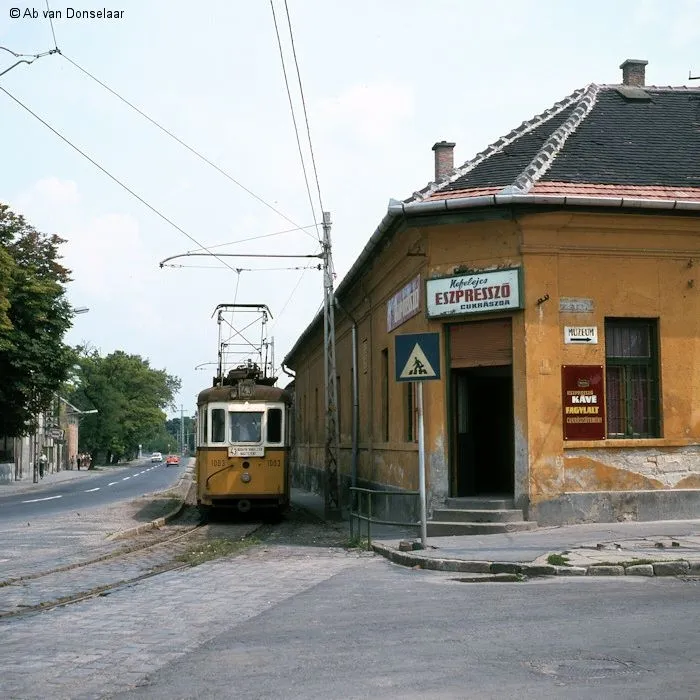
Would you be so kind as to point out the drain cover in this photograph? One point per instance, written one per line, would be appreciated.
(584, 668)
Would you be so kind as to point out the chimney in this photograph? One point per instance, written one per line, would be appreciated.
(444, 159)
(633, 72)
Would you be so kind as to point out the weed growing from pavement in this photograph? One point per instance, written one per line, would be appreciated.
(215, 549)
(558, 560)
(630, 562)
(356, 542)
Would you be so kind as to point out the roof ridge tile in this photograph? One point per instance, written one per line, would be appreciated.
(498, 145)
(544, 158)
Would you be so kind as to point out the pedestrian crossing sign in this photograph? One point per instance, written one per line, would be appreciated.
(417, 357)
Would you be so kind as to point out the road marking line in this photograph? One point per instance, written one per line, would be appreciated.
(126, 478)
(36, 500)
(97, 488)
(111, 483)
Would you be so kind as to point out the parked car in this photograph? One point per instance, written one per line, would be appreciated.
(172, 459)
(156, 457)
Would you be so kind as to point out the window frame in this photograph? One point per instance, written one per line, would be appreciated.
(627, 393)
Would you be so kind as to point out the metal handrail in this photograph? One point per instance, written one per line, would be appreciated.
(368, 517)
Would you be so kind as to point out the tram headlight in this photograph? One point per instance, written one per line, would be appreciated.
(245, 477)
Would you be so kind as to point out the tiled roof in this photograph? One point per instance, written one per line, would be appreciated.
(603, 140)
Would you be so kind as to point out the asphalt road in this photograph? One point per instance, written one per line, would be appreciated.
(379, 631)
(104, 488)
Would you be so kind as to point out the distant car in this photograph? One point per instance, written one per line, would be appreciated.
(156, 457)
(172, 459)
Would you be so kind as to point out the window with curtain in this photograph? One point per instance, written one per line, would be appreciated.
(632, 378)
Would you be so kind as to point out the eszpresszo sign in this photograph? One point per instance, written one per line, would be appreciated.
(480, 292)
(403, 305)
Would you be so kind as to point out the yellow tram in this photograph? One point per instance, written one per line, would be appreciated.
(243, 443)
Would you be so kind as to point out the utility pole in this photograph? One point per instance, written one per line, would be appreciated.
(182, 429)
(331, 483)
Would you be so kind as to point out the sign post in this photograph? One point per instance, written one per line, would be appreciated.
(417, 360)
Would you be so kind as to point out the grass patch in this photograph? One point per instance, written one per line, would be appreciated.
(215, 549)
(558, 560)
(356, 542)
(629, 562)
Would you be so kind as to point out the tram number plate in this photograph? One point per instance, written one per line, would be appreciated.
(241, 451)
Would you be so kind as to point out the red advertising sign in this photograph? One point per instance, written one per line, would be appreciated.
(583, 402)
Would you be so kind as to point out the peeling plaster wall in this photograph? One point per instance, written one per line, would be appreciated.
(632, 468)
(626, 266)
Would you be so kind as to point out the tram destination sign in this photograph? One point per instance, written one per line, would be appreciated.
(473, 293)
(246, 451)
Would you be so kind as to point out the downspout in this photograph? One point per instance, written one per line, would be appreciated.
(355, 396)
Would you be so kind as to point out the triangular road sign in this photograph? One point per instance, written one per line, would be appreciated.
(417, 367)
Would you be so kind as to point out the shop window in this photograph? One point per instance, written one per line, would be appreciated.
(385, 395)
(218, 425)
(411, 417)
(632, 378)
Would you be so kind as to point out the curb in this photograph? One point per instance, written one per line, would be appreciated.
(679, 567)
(159, 522)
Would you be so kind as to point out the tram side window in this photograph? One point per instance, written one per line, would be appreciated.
(204, 424)
(245, 426)
(274, 425)
(218, 425)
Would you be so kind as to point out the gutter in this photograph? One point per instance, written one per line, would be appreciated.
(396, 210)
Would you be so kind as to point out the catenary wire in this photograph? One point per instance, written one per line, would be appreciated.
(189, 148)
(256, 238)
(112, 177)
(244, 269)
(303, 104)
(291, 108)
(48, 14)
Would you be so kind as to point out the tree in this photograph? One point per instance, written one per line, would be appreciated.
(130, 397)
(173, 428)
(34, 316)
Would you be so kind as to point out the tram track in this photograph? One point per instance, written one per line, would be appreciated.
(105, 574)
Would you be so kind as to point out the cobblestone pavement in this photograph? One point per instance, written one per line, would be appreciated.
(69, 538)
(108, 644)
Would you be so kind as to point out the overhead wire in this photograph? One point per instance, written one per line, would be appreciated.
(188, 147)
(291, 108)
(244, 269)
(303, 104)
(48, 14)
(115, 179)
(296, 131)
(256, 238)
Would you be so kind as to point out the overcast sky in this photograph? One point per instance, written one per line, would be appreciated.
(383, 80)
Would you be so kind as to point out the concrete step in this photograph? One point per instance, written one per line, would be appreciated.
(500, 515)
(478, 503)
(443, 529)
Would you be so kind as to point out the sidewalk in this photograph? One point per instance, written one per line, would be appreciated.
(659, 548)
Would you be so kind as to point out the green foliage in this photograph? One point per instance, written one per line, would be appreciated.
(130, 396)
(172, 427)
(34, 316)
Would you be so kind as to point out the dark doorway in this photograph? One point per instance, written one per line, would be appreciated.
(482, 424)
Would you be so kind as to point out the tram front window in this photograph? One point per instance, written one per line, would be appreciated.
(245, 426)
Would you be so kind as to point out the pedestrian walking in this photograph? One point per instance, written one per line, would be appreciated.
(71, 462)
(42, 464)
